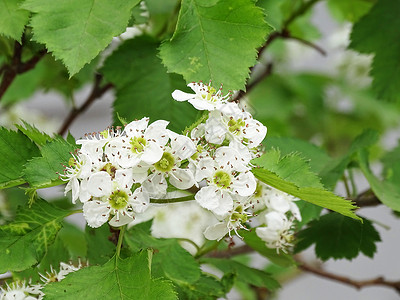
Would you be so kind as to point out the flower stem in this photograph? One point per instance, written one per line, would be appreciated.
(204, 250)
(120, 238)
(190, 242)
(173, 200)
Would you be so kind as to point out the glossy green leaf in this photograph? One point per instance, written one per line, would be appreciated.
(291, 167)
(26, 240)
(15, 150)
(216, 40)
(76, 31)
(40, 138)
(174, 261)
(143, 86)
(99, 248)
(12, 18)
(313, 195)
(128, 278)
(367, 37)
(44, 171)
(336, 236)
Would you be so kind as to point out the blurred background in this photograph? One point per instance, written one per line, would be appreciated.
(320, 95)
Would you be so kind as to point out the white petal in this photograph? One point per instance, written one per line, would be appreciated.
(255, 133)
(156, 185)
(121, 221)
(140, 200)
(231, 109)
(139, 177)
(83, 192)
(96, 213)
(215, 130)
(124, 178)
(202, 104)
(268, 235)
(216, 231)
(295, 211)
(152, 153)
(181, 96)
(225, 204)
(207, 198)
(205, 168)
(99, 184)
(157, 131)
(182, 147)
(244, 184)
(136, 128)
(275, 220)
(182, 178)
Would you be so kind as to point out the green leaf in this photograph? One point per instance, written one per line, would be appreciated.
(335, 169)
(316, 157)
(316, 196)
(252, 240)
(117, 279)
(15, 150)
(206, 288)
(175, 262)
(99, 248)
(25, 241)
(34, 134)
(216, 41)
(143, 86)
(76, 31)
(12, 18)
(336, 236)
(43, 171)
(291, 167)
(367, 37)
(245, 274)
(388, 192)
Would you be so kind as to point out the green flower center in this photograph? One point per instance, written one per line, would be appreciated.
(210, 94)
(137, 144)
(166, 163)
(222, 179)
(258, 191)
(235, 125)
(71, 162)
(239, 215)
(197, 153)
(110, 169)
(118, 200)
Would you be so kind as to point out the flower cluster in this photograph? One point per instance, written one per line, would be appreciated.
(20, 290)
(116, 173)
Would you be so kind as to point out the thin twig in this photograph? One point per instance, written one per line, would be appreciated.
(358, 284)
(307, 43)
(97, 92)
(17, 67)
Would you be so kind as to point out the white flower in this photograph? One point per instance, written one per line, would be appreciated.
(168, 166)
(80, 166)
(278, 233)
(113, 197)
(226, 175)
(205, 98)
(21, 291)
(232, 123)
(142, 143)
(234, 221)
(281, 202)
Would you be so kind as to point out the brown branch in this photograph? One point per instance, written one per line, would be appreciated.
(96, 93)
(367, 198)
(17, 67)
(358, 284)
